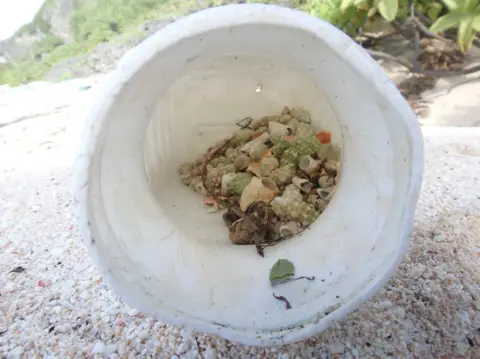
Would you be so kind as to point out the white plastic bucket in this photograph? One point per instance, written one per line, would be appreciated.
(184, 88)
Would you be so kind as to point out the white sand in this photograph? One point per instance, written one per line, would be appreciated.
(60, 308)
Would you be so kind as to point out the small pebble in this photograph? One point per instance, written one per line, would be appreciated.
(336, 348)
(98, 348)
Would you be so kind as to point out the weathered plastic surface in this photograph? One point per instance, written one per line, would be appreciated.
(184, 88)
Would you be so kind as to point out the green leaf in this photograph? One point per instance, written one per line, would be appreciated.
(476, 23)
(469, 6)
(372, 12)
(446, 22)
(281, 270)
(465, 34)
(434, 10)
(452, 4)
(388, 9)
(346, 4)
(361, 4)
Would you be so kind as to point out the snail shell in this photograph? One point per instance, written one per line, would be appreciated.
(301, 114)
(241, 162)
(302, 184)
(267, 165)
(263, 122)
(304, 130)
(283, 175)
(326, 193)
(278, 129)
(254, 168)
(289, 229)
(257, 150)
(240, 233)
(238, 183)
(226, 180)
(309, 165)
(331, 166)
(325, 181)
(258, 140)
(197, 186)
(259, 189)
(321, 204)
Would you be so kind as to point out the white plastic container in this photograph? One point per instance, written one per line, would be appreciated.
(180, 91)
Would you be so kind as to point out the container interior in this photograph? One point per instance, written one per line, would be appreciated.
(169, 252)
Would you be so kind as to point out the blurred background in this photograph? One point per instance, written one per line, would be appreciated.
(55, 40)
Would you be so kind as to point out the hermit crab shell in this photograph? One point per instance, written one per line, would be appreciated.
(326, 193)
(309, 165)
(302, 184)
(289, 229)
(279, 129)
(259, 189)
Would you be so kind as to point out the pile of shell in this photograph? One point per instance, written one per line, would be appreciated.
(281, 162)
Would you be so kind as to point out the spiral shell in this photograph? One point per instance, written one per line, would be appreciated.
(289, 229)
(301, 114)
(260, 131)
(224, 169)
(278, 129)
(197, 185)
(283, 175)
(241, 162)
(213, 182)
(328, 152)
(232, 153)
(331, 166)
(280, 144)
(241, 137)
(294, 209)
(236, 184)
(263, 122)
(259, 189)
(186, 168)
(258, 140)
(301, 147)
(293, 123)
(240, 233)
(302, 184)
(217, 161)
(254, 168)
(226, 180)
(257, 150)
(321, 204)
(309, 165)
(325, 181)
(326, 193)
(267, 165)
(186, 179)
(305, 130)
(292, 193)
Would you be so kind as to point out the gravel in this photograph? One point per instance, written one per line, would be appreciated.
(59, 306)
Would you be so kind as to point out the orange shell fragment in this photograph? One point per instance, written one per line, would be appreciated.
(324, 137)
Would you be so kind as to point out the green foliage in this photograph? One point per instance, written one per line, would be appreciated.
(92, 22)
(96, 21)
(101, 20)
(348, 17)
(47, 44)
(463, 15)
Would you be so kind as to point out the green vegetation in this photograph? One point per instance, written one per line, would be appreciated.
(96, 21)
(92, 22)
(463, 15)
